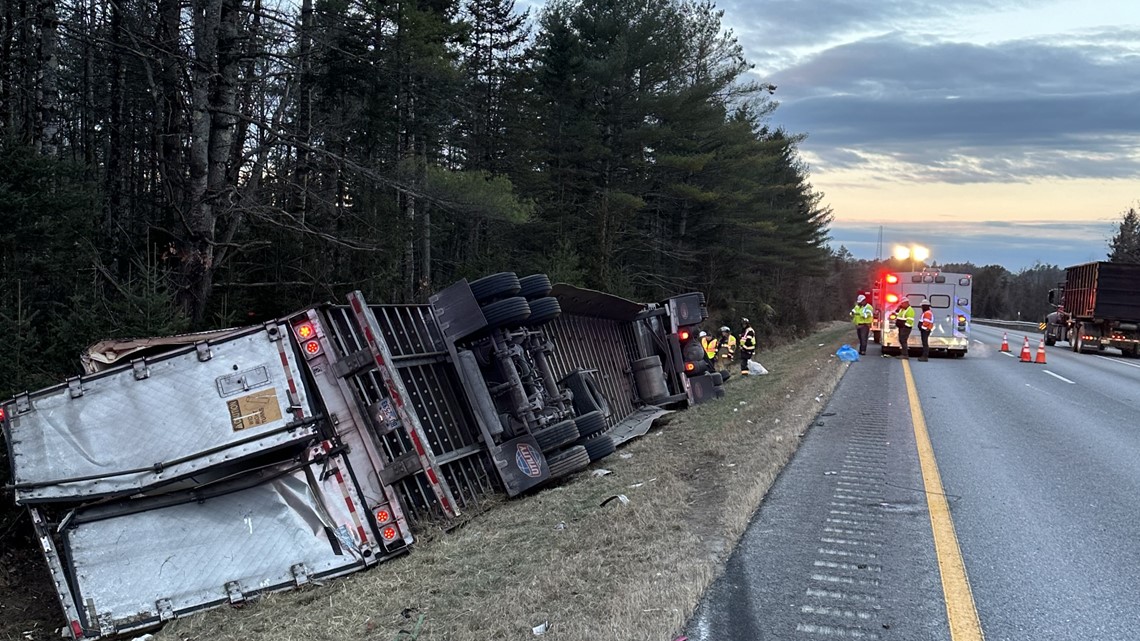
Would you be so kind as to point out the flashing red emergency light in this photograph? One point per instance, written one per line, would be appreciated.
(389, 533)
(383, 516)
(892, 278)
(892, 298)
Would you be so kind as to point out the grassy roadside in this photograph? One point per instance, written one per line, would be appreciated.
(618, 571)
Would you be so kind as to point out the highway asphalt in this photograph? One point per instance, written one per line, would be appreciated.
(1040, 464)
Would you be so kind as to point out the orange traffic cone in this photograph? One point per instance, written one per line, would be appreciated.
(1004, 342)
(1026, 357)
(1040, 352)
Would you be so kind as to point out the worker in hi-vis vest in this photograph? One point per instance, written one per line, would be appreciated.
(708, 343)
(726, 349)
(925, 326)
(747, 345)
(862, 314)
(904, 321)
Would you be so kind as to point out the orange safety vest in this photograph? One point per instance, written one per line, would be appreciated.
(927, 322)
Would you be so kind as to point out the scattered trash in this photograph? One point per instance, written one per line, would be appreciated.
(749, 421)
(736, 409)
(623, 499)
(847, 353)
(600, 472)
(561, 525)
(541, 628)
(818, 397)
(756, 369)
(730, 464)
(821, 345)
(742, 403)
(414, 634)
(626, 455)
(777, 420)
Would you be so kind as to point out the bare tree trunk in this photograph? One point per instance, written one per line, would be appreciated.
(300, 187)
(47, 133)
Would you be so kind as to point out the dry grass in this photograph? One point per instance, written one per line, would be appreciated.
(619, 571)
(632, 571)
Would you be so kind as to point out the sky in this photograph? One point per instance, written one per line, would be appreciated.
(990, 131)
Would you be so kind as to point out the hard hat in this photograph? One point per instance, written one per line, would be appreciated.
(702, 334)
(925, 303)
(744, 320)
(860, 298)
(724, 329)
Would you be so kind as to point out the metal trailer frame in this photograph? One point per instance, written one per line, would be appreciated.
(275, 529)
(236, 397)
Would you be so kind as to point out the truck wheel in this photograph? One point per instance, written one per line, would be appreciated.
(568, 461)
(495, 286)
(555, 436)
(509, 311)
(598, 447)
(543, 310)
(590, 424)
(534, 286)
(1049, 340)
(1079, 344)
(877, 336)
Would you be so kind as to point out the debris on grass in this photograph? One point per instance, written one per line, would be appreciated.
(541, 628)
(623, 499)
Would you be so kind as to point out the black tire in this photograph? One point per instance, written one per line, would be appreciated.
(1079, 343)
(590, 424)
(534, 286)
(598, 447)
(509, 311)
(543, 310)
(555, 436)
(568, 461)
(1049, 340)
(877, 336)
(501, 285)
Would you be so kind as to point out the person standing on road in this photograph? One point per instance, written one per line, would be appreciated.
(861, 314)
(925, 326)
(747, 346)
(904, 321)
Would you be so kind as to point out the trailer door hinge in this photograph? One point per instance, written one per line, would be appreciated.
(233, 591)
(165, 609)
(300, 574)
(75, 387)
(23, 403)
(140, 368)
(204, 353)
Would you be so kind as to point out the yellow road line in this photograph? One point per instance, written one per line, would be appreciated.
(960, 608)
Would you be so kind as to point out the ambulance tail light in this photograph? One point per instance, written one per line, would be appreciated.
(306, 333)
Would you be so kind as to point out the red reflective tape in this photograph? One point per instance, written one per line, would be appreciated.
(368, 335)
(361, 534)
(350, 504)
(446, 505)
(416, 442)
(356, 304)
(339, 477)
(77, 629)
(432, 477)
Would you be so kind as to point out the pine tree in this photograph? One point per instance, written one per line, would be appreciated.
(1125, 245)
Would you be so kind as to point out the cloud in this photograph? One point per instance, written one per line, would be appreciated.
(1014, 245)
(959, 112)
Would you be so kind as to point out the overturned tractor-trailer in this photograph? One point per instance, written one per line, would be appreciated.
(181, 473)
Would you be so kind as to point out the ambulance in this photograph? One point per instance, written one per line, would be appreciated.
(950, 299)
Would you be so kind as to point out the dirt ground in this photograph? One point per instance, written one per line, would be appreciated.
(586, 565)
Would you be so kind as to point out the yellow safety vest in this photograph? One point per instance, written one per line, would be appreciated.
(906, 315)
(729, 345)
(862, 314)
(709, 345)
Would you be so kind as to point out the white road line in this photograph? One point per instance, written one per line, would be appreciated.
(1009, 354)
(1117, 360)
(978, 342)
(1059, 376)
